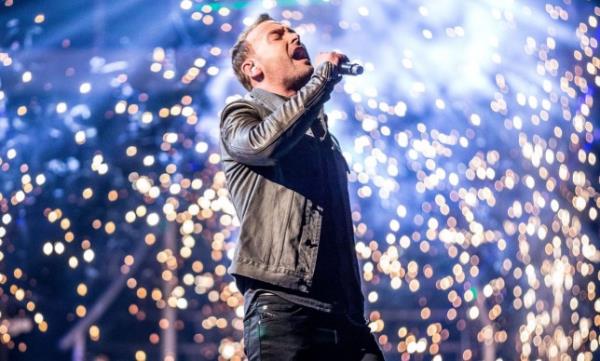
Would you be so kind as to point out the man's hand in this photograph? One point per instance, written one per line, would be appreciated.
(336, 59)
(332, 56)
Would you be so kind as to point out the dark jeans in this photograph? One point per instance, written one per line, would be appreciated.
(277, 329)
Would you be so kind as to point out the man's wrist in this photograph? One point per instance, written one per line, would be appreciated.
(327, 70)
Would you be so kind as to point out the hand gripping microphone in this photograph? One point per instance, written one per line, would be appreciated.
(350, 68)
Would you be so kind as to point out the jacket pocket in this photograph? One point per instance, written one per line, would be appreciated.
(291, 237)
(279, 211)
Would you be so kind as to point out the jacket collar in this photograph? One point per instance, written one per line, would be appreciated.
(270, 100)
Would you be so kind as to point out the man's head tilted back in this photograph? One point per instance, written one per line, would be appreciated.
(269, 55)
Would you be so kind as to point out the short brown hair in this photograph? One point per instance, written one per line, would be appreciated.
(241, 50)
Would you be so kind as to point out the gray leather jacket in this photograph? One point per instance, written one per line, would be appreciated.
(269, 155)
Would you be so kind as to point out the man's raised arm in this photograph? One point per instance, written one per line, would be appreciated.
(253, 141)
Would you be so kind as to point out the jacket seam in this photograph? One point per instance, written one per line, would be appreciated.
(287, 223)
(267, 266)
(254, 185)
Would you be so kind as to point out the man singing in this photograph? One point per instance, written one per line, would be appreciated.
(295, 260)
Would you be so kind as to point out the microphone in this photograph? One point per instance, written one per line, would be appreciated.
(350, 68)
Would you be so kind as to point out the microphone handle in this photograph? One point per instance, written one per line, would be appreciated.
(350, 68)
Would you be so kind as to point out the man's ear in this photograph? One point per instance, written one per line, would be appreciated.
(252, 70)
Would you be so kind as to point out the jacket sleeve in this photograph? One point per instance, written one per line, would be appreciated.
(254, 141)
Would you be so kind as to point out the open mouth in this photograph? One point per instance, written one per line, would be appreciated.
(300, 53)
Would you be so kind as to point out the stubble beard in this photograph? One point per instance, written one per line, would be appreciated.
(298, 81)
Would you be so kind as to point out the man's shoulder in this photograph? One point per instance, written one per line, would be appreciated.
(240, 102)
(244, 104)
